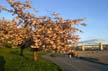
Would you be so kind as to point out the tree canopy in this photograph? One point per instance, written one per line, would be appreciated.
(45, 32)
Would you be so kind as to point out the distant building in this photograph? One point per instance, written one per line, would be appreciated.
(93, 47)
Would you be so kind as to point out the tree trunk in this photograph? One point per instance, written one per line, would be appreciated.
(21, 51)
(35, 55)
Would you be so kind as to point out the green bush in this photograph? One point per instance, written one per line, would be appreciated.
(54, 55)
(7, 45)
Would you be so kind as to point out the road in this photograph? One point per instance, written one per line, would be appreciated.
(75, 64)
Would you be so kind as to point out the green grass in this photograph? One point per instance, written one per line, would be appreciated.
(10, 60)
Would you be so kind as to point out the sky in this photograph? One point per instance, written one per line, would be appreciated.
(95, 12)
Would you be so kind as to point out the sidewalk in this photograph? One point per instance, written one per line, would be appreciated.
(74, 64)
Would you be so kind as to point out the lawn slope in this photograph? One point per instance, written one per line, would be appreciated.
(11, 61)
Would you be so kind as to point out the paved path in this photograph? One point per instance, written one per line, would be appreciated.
(75, 64)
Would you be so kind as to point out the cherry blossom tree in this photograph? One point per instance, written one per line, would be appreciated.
(44, 32)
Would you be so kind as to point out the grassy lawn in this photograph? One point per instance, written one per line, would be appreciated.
(11, 61)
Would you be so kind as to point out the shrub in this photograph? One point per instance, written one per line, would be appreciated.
(7, 45)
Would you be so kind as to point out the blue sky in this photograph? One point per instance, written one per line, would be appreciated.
(96, 12)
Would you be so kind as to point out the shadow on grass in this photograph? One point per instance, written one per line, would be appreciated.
(2, 63)
(18, 54)
(14, 52)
